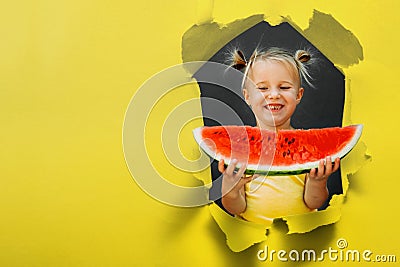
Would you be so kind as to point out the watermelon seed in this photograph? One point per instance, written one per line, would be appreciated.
(293, 140)
(286, 139)
(284, 153)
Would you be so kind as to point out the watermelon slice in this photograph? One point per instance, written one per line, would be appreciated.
(276, 153)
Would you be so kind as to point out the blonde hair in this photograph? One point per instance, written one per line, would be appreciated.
(298, 62)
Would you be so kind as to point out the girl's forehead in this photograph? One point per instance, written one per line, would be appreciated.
(274, 68)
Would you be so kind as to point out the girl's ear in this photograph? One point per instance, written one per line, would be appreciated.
(246, 96)
(299, 95)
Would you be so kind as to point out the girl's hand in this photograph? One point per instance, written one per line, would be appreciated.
(316, 192)
(323, 171)
(233, 193)
(233, 181)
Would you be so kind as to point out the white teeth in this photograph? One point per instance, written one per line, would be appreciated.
(274, 107)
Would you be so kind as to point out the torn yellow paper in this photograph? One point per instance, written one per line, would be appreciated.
(309, 221)
(240, 234)
(335, 41)
(217, 36)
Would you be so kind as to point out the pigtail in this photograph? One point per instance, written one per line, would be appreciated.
(238, 60)
(303, 58)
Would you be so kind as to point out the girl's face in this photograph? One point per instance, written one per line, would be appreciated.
(273, 93)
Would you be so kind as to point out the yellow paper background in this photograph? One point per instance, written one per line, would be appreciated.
(68, 70)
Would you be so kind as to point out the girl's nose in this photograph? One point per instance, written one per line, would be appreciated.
(274, 93)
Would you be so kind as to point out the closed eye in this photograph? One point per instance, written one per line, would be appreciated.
(262, 88)
(285, 87)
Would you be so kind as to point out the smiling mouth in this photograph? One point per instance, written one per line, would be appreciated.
(274, 107)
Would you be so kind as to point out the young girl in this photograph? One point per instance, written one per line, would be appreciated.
(272, 88)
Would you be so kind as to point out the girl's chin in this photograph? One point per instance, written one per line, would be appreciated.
(269, 125)
(266, 126)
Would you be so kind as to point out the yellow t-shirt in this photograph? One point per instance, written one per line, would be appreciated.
(270, 197)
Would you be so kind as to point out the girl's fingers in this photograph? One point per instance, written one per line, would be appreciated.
(231, 167)
(245, 180)
(312, 172)
(221, 166)
(337, 163)
(328, 168)
(321, 168)
(241, 170)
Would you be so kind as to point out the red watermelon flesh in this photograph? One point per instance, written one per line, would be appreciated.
(285, 151)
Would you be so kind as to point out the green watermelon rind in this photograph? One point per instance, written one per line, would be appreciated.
(282, 170)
